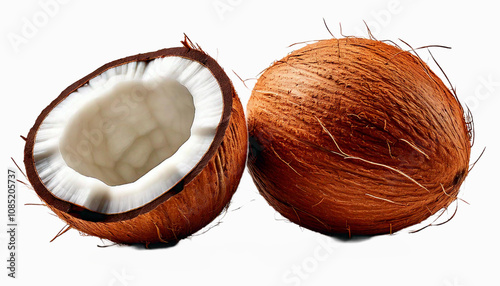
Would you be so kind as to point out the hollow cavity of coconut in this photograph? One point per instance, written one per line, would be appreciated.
(356, 136)
(148, 148)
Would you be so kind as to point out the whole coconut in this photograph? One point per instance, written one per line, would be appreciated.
(356, 136)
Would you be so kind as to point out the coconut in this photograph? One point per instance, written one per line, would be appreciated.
(148, 148)
(356, 136)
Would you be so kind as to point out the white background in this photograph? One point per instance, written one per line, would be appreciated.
(45, 48)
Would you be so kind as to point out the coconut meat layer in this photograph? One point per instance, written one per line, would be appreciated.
(129, 135)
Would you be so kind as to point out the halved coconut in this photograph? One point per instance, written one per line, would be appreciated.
(148, 148)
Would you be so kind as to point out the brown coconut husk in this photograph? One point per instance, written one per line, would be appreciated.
(356, 136)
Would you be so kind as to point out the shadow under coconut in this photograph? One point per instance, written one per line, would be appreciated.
(156, 245)
(344, 237)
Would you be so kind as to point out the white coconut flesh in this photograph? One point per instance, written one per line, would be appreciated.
(129, 135)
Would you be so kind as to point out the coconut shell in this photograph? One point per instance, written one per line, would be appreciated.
(188, 206)
(197, 204)
(356, 136)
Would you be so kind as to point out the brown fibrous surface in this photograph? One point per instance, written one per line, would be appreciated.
(356, 136)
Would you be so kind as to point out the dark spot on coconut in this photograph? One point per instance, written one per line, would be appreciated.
(458, 177)
(255, 147)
